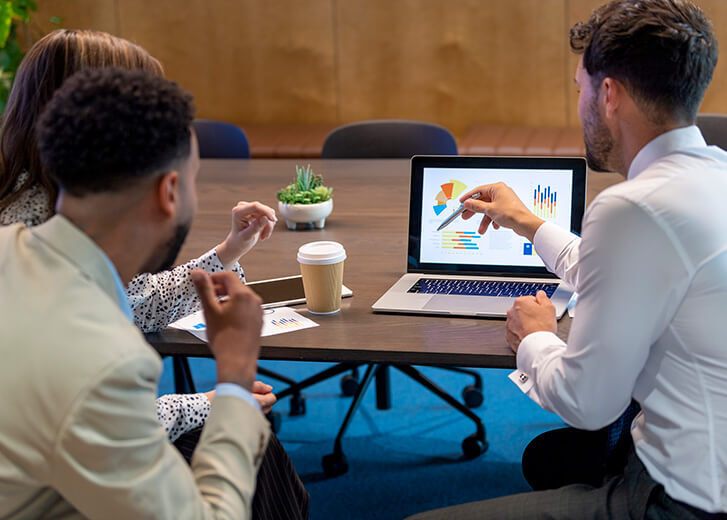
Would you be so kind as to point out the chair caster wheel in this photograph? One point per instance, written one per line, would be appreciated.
(349, 385)
(473, 447)
(297, 404)
(472, 396)
(334, 464)
(275, 420)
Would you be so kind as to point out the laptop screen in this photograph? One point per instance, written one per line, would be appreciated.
(552, 188)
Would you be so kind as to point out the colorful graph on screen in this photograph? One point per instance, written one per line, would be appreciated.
(450, 190)
(464, 240)
(545, 202)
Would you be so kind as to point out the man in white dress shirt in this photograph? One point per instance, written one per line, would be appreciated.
(650, 271)
(81, 439)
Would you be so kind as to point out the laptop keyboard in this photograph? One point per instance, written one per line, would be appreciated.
(481, 287)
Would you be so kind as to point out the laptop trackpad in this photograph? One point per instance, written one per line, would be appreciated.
(474, 304)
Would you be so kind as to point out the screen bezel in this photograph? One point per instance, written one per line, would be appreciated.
(418, 163)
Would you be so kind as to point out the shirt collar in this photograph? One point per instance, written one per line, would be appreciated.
(121, 297)
(665, 144)
(60, 234)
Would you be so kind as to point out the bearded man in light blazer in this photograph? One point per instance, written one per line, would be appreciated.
(81, 438)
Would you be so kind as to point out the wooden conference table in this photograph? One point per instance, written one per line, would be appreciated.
(370, 219)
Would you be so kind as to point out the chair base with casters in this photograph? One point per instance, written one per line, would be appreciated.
(349, 385)
(472, 395)
(335, 463)
(400, 139)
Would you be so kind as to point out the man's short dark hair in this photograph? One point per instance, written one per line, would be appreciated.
(106, 128)
(663, 51)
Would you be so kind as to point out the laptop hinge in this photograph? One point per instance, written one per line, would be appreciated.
(508, 274)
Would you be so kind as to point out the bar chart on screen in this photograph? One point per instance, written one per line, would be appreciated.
(545, 202)
(463, 240)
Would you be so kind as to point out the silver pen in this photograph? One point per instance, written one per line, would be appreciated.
(456, 213)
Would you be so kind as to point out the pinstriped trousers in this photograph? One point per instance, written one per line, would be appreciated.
(279, 493)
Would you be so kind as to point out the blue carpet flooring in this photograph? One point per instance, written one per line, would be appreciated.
(406, 459)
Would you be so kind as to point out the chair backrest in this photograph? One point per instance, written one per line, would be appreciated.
(714, 129)
(388, 139)
(220, 140)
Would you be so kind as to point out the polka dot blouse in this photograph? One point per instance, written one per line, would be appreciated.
(156, 301)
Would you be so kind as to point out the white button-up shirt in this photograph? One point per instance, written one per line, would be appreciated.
(651, 274)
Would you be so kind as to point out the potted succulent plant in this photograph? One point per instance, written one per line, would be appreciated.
(306, 202)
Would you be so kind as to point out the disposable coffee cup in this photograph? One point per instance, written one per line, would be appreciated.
(321, 264)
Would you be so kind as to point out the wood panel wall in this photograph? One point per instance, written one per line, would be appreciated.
(455, 62)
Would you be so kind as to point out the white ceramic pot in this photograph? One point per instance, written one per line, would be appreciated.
(309, 214)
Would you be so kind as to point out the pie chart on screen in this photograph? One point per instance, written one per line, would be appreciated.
(450, 191)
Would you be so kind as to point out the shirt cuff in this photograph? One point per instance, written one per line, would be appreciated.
(549, 241)
(531, 346)
(235, 267)
(234, 390)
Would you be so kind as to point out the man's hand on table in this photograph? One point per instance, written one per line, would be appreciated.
(262, 392)
(530, 314)
(501, 208)
(233, 325)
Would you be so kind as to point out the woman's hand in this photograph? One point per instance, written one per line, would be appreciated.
(263, 394)
(251, 221)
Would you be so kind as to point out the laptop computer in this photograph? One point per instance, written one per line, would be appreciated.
(459, 272)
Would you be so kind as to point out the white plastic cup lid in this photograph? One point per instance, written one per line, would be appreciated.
(321, 253)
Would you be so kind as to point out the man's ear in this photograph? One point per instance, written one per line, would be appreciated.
(167, 193)
(612, 92)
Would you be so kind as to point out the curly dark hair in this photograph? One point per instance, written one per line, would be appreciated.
(106, 128)
(663, 51)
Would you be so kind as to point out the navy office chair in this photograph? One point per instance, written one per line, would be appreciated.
(388, 139)
(714, 129)
(220, 140)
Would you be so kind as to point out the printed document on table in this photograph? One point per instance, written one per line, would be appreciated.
(275, 321)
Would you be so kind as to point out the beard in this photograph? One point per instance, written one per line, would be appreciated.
(598, 140)
(164, 258)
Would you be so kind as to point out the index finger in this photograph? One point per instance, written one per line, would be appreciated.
(486, 190)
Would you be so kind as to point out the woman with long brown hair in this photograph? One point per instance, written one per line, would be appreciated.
(28, 195)
(25, 191)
